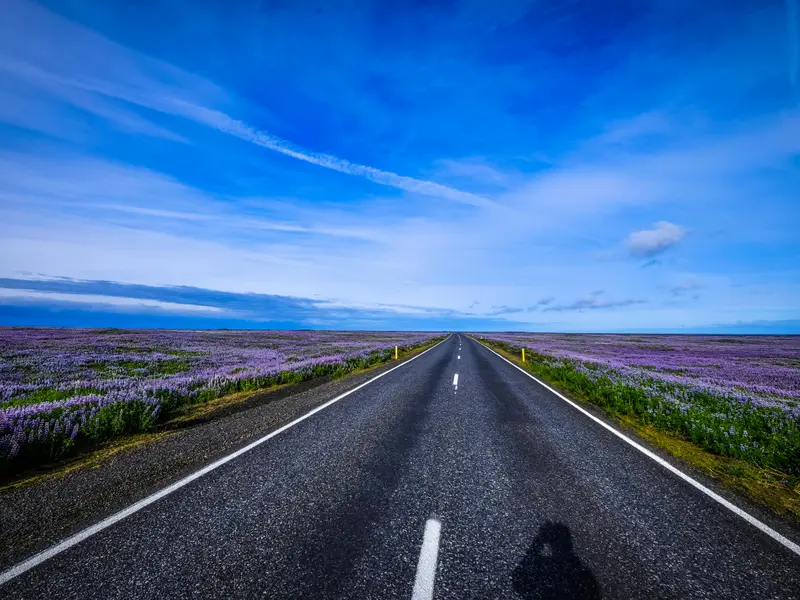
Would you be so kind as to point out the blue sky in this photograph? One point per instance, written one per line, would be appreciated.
(553, 166)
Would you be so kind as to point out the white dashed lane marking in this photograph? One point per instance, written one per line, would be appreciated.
(426, 567)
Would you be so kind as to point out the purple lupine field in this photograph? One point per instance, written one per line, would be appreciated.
(734, 395)
(763, 369)
(59, 385)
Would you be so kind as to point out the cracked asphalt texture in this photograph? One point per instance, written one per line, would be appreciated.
(535, 500)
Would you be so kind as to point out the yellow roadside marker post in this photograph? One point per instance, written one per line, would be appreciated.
(395, 352)
(523, 355)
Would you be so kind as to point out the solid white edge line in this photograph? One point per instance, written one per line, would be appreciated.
(426, 566)
(41, 557)
(710, 493)
(455, 379)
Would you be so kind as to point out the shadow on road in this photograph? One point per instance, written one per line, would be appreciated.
(550, 568)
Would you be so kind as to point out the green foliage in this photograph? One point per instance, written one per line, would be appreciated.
(144, 368)
(125, 418)
(174, 352)
(109, 422)
(118, 419)
(47, 395)
(765, 437)
(169, 367)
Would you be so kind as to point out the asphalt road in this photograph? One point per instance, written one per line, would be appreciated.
(517, 495)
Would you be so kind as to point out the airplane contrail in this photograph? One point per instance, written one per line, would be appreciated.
(227, 124)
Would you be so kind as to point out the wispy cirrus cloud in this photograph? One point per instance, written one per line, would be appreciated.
(109, 190)
(162, 88)
(22, 296)
(685, 287)
(546, 301)
(593, 301)
(66, 294)
(505, 310)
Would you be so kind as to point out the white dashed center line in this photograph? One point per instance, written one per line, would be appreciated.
(455, 379)
(426, 567)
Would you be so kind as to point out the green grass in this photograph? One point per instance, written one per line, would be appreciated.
(127, 418)
(47, 395)
(766, 486)
(170, 366)
(186, 353)
(139, 367)
(675, 371)
(764, 437)
(696, 436)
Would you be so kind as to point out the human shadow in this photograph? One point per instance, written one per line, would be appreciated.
(551, 569)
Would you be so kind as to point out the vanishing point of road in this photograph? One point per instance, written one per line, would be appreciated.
(454, 475)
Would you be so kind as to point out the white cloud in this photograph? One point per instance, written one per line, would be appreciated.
(109, 191)
(650, 242)
(21, 296)
(630, 130)
(475, 171)
(592, 302)
(686, 286)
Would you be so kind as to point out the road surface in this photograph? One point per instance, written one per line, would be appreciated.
(452, 476)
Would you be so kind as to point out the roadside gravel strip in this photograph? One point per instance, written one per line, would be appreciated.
(37, 515)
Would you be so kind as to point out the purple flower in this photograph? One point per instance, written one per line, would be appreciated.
(57, 380)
